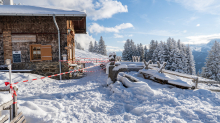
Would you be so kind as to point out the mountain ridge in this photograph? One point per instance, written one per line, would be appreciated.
(200, 53)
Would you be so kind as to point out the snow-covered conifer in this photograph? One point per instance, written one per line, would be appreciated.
(141, 51)
(126, 54)
(153, 45)
(91, 46)
(96, 48)
(145, 52)
(212, 65)
(102, 48)
(191, 62)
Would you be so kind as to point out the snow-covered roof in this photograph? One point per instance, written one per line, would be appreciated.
(25, 10)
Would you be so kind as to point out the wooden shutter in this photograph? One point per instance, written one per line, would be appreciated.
(46, 52)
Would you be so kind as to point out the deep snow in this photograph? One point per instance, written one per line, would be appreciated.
(90, 100)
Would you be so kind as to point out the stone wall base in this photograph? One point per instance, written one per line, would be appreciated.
(43, 68)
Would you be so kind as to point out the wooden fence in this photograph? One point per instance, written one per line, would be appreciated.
(195, 79)
(12, 107)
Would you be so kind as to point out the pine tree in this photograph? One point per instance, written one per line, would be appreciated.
(137, 52)
(102, 48)
(153, 45)
(91, 48)
(126, 54)
(145, 52)
(141, 51)
(212, 65)
(191, 62)
(96, 48)
(158, 53)
(78, 46)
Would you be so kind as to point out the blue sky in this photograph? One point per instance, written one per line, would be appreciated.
(191, 21)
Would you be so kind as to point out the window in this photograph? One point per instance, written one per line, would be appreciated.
(36, 53)
(40, 52)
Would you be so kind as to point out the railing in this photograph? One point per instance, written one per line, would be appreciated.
(195, 79)
(12, 107)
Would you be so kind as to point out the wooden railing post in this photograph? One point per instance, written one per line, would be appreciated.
(14, 105)
(158, 63)
(196, 82)
(146, 64)
(162, 67)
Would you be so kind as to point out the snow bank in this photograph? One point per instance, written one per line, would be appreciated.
(5, 98)
(116, 68)
(166, 104)
(141, 86)
(131, 77)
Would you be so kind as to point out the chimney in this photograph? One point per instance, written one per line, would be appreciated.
(8, 2)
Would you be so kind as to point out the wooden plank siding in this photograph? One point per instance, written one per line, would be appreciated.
(46, 52)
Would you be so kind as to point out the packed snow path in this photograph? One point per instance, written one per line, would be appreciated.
(89, 100)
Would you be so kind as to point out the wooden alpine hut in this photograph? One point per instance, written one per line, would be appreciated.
(36, 38)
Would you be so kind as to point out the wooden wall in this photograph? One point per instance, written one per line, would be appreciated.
(44, 29)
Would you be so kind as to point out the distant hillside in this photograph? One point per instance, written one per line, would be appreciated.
(200, 52)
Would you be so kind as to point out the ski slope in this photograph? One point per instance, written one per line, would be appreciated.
(90, 100)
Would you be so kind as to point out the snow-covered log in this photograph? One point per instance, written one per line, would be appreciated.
(129, 84)
(128, 76)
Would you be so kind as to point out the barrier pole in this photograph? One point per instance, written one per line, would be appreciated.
(8, 62)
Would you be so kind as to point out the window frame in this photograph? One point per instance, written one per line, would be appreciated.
(31, 51)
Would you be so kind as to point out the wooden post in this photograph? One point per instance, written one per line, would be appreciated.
(146, 64)
(158, 63)
(162, 67)
(69, 50)
(196, 82)
(71, 41)
(14, 105)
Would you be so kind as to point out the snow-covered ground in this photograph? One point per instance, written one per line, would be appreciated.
(90, 100)
(84, 54)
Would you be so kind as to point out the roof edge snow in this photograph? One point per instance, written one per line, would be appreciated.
(25, 10)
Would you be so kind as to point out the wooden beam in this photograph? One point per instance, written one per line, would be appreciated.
(5, 105)
(4, 119)
(16, 118)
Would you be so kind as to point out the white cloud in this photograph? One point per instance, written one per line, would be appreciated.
(84, 40)
(130, 35)
(206, 6)
(96, 10)
(198, 25)
(121, 41)
(184, 31)
(163, 33)
(191, 19)
(96, 28)
(118, 36)
(202, 39)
